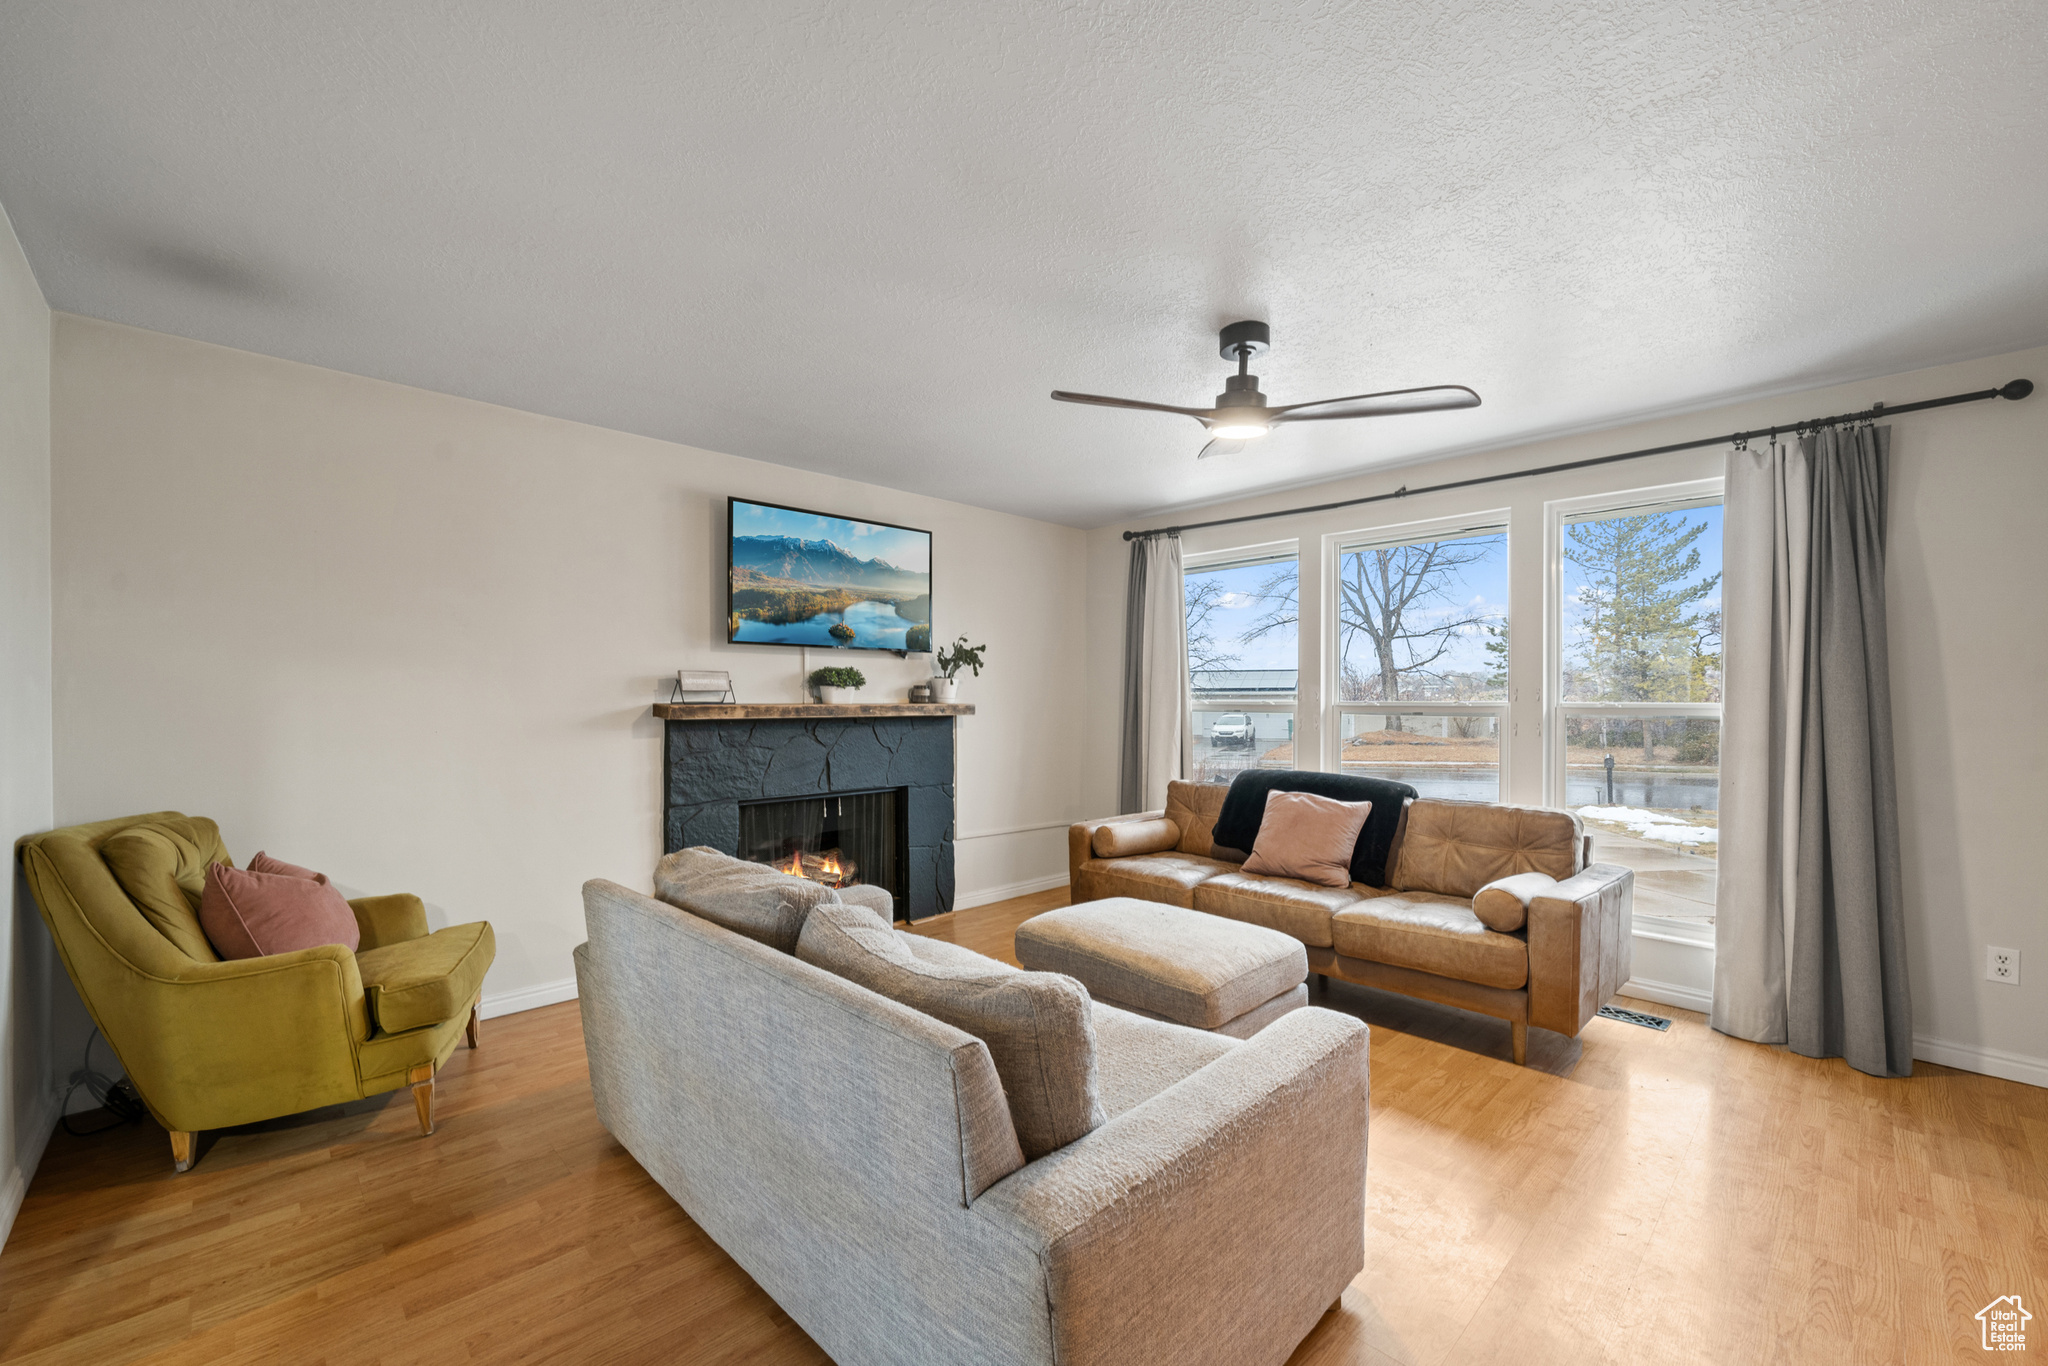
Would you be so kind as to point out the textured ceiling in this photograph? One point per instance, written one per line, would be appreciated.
(868, 238)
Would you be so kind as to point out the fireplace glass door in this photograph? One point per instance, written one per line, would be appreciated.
(839, 840)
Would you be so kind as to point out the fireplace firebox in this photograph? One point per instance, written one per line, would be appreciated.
(720, 759)
(838, 838)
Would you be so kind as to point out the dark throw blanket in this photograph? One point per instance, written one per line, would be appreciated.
(1237, 826)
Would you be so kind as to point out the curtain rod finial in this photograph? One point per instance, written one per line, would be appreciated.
(1130, 535)
(2018, 389)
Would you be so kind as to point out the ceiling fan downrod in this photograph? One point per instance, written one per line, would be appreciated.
(1242, 341)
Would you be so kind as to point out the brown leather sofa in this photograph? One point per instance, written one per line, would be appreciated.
(1419, 934)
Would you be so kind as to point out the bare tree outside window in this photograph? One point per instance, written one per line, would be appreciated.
(1206, 595)
(1280, 591)
(1243, 686)
(1403, 611)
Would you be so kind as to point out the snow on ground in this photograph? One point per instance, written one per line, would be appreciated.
(1651, 825)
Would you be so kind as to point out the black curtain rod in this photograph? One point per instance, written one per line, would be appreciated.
(2016, 390)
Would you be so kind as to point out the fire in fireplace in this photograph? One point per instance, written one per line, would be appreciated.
(833, 867)
(838, 839)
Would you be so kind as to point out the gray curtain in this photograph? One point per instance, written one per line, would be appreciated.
(1810, 925)
(1765, 531)
(1848, 993)
(1158, 734)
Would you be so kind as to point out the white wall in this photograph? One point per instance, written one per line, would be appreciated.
(1967, 556)
(1966, 561)
(27, 1093)
(411, 640)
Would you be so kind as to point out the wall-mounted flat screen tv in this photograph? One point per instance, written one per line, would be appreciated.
(809, 578)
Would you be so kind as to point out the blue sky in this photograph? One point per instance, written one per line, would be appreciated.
(1481, 590)
(910, 550)
(1709, 546)
(1241, 608)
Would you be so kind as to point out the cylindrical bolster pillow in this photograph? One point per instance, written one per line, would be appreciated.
(1125, 838)
(1504, 904)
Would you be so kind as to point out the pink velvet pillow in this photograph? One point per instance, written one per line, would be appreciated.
(1308, 837)
(264, 863)
(247, 914)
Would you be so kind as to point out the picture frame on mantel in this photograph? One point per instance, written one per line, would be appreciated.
(717, 682)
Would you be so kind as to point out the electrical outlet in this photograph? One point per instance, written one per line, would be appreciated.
(2002, 965)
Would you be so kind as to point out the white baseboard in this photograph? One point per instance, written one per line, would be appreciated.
(987, 895)
(1964, 1057)
(15, 1189)
(1669, 994)
(1991, 1062)
(528, 998)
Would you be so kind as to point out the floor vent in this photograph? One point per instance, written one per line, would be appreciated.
(1634, 1017)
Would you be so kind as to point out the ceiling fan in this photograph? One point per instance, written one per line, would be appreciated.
(1241, 414)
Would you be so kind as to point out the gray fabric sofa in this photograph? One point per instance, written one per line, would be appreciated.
(856, 1157)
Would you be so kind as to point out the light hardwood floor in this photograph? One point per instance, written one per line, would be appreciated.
(1635, 1197)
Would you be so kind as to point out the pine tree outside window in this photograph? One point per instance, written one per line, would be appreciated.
(1635, 717)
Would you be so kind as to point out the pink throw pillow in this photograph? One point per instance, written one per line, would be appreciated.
(247, 914)
(1308, 837)
(264, 863)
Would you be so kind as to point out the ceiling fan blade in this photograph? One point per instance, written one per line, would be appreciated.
(1199, 414)
(1437, 398)
(1219, 447)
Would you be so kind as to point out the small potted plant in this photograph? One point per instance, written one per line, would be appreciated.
(836, 685)
(947, 664)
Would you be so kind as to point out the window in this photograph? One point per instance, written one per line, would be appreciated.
(1243, 660)
(1637, 718)
(1422, 660)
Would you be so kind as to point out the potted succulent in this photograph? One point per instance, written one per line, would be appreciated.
(836, 685)
(947, 664)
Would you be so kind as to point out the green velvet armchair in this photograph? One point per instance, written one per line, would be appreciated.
(212, 1044)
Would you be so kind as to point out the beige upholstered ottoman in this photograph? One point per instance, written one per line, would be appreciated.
(1171, 964)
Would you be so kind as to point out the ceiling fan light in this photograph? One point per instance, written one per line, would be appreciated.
(1233, 430)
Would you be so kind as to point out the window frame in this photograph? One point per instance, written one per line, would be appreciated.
(1486, 522)
(1678, 497)
(1240, 557)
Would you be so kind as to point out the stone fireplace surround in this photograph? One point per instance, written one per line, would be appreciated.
(716, 757)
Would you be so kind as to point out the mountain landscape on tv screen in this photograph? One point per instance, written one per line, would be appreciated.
(791, 590)
(820, 562)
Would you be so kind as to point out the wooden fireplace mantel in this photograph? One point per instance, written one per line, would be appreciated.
(802, 711)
